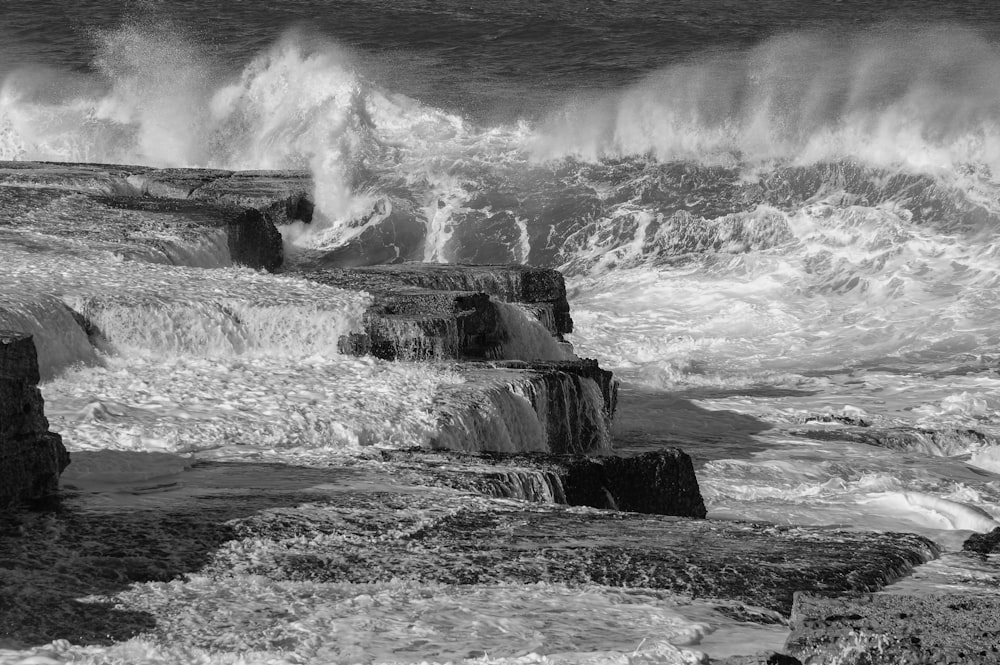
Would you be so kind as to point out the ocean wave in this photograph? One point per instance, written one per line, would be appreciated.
(924, 100)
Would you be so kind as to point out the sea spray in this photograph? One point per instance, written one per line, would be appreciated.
(926, 99)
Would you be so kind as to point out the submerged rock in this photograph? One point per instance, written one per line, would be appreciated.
(458, 539)
(543, 288)
(31, 457)
(889, 629)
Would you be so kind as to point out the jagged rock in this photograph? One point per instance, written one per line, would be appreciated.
(895, 629)
(512, 406)
(983, 543)
(31, 457)
(661, 483)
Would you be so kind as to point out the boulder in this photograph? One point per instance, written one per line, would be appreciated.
(31, 457)
(983, 543)
(448, 538)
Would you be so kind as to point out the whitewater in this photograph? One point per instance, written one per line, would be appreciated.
(783, 241)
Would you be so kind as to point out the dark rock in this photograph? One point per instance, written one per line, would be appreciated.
(661, 483)
(31, 457)
(657, 482)
(888, 629)
(983, 543)
(254, 241)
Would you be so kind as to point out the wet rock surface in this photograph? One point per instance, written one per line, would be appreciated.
(469, 542)
(506, 282)
(661, 482)
(70, 574)
(433, 311)
(179, 216)
(896, 629)
(31, 457)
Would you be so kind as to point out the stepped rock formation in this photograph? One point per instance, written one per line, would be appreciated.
(516, 393)
(661, 483)
(889, 629)
(178, 216)
(427, 311)
(31, 457)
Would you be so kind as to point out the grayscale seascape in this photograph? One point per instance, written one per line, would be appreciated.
(776, 224)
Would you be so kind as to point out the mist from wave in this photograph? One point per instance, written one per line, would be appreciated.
(925, 99)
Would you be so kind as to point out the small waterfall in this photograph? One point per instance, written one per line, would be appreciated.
(541, 410)
(222, 327)
(572, 410)
(495, 419)
(527, 337)
(533, 485)
(210, 251)
(59, 338)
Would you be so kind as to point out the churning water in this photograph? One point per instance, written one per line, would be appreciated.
(786, 220)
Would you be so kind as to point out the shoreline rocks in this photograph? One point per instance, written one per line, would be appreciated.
(31, 457)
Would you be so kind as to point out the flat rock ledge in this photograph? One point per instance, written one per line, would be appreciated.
(889, 629)
(31, 457)
(180, 216)
(661, 482)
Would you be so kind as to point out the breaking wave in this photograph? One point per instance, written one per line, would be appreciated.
(811, 183)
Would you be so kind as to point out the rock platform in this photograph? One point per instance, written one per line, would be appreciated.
(582, 515)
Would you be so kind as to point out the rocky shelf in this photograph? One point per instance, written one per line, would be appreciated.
(528, 421)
